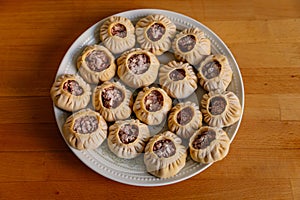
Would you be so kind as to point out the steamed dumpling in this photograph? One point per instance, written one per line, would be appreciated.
(70, 92)
(85, 129)
(178, 79)
(164, 155)
(209, 144)
(221, 109)
(117, 34)
(155, 33)
(112, 100)
(127, 139)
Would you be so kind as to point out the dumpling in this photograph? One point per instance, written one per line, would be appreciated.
(69, 92)
(112, 100)
(117, 34)
(164, 155)
(85, 129)
(138, 68)
(184, 119)
(127, 139)
(155, 33)
(209, 144)
(96, 64)
(152, 105)
(221, 109)
(191, 45)
(178, 79)
(215, 73)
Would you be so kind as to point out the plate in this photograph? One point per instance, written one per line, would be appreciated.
(133, 171)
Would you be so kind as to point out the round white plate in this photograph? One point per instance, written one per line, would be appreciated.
(133, 171)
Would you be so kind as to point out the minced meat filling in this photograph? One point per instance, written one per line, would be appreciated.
(204, 139)
(185, 116)
(119, 30)
(164, 148)
(211, 69)
(139, 63)
(97, 61)
(112, 97)
(86, 124)
(128, 133)
(156, 31)
(154, 101)
(217, 105)
(73, 87)
(177, 75)
(187, 43)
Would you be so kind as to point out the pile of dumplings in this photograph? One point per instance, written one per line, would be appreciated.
(104, 109)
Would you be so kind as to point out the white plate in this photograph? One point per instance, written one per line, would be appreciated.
(133, 171)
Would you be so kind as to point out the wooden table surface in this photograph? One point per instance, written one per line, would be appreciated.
(264, 160)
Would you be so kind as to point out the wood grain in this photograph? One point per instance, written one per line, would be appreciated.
(225, 189)
(264, 159)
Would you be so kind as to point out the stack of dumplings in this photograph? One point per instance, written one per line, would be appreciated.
(121, 89)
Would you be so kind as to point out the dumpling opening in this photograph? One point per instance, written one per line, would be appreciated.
(119, 30)
(97, 60)
(73, 87)
(164, 148)
(156, 31)
(128, 133)
(85, 125)
(154, 101)
(185, 116)
(217, 105)
(177, 74)
(211, 69)
(187, 43)
(112, 97)
(139, 63)
(204, 139)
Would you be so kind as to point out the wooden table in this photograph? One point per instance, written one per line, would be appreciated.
(264, 160)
